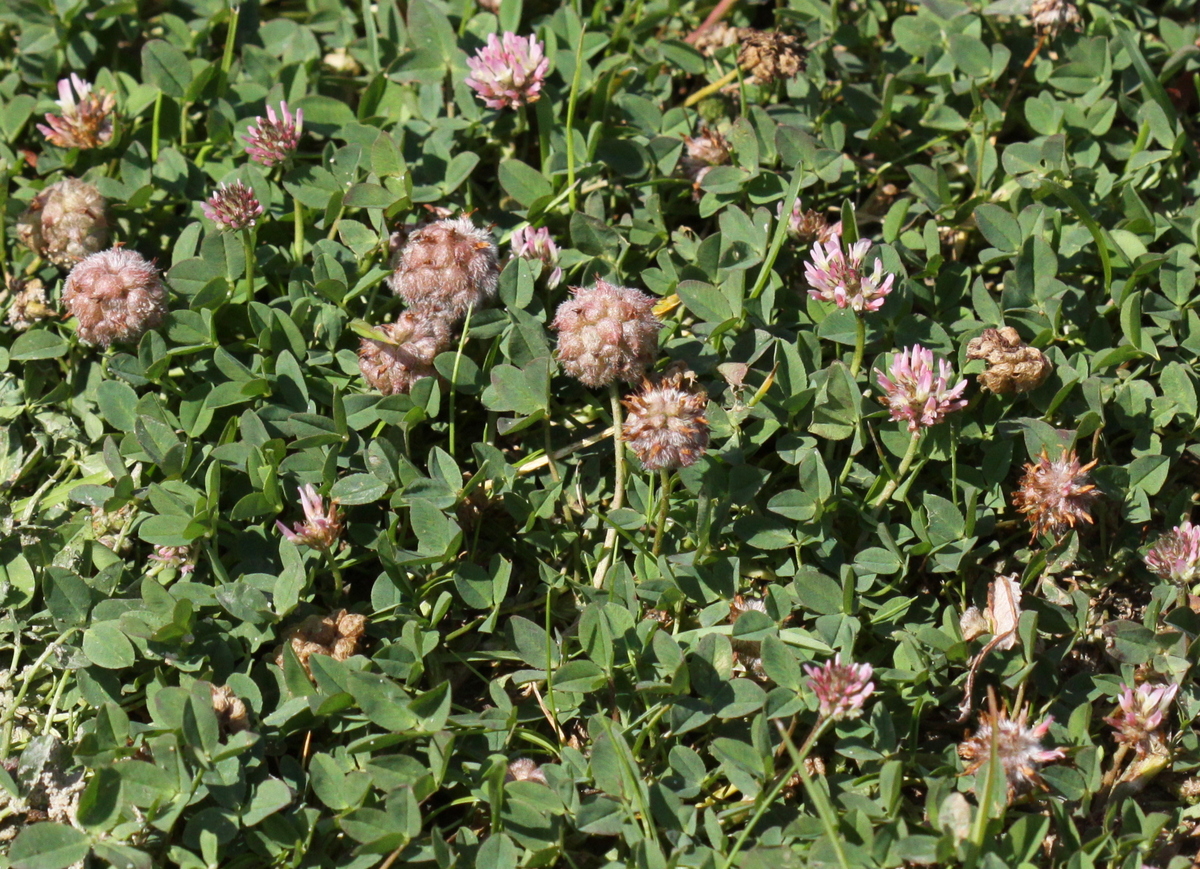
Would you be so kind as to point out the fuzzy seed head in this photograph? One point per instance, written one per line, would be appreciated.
(447, 268)
(769, 56)
(116, 295)
(65, 222)
(841, 689)
(508, 71)
(841, 277)
(1175, 556)
(665, 426)
(232, 206)
(914, 395)
(321, 528)
(1018, 748)
(1013, 366)
(274, 140)
(606, 333)
(416, 338)
(1140, 714)
(28, 304)
(719, 35)
(86, 116)
(1055, 495)
(537, 244)
(1052, 17)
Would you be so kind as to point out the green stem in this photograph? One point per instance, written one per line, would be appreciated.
(26, 680)
(781, 227)
(298, 239)
(338, 580)
(230, 42)
(860, 344)
(664, 507)
(710, 89)
(905, 464)
(248, 244)
(462, 339)
(609, 553)
(570, 131)
(154, 127)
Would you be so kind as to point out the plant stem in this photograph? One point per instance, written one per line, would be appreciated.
(572, 196)
(154, 127)
(27, 680)
(860, 344)
(462, 339)
(248, 243)
(235, 13)
(905, 464)
(664, 507)
(710, 89)
(298, 240)
(338, 580)
(609, 552)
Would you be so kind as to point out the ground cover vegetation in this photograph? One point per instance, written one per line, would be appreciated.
(654, 434)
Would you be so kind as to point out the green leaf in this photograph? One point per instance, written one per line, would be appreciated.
(48, 845)
(105, 645)
(523, 183)
(38, 344)
(358, 489)
(166, 67)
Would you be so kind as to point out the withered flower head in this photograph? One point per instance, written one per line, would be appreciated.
(666, 427)
(417, 337)
(1054, 495)
(66, 222)
(718, 36)
(606, 333)
(1175, 556)
(524, 769)
(1140, 714)
(116, 295)
(1013, 366)
(321, 528)
(1001, 615)
(447, 267)
(230, 710)
(86, 119)
(1018, 747)
(1051, 17)
(808, 227)
(771, 55)
(337, 635)
(28, 303)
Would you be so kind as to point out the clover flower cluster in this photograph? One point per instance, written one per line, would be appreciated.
(1140, 715)
(85, 118)
(537, 244)
(839, 276)
(508, 71)
(606, 333)
(116, 296)
(1175, 556)
(1056, 495)
(66, 222)
(273, 140)
(665, 426)
(841, 689)
(233, 206)
(321, 527)
(1018, 748)
(915, 394)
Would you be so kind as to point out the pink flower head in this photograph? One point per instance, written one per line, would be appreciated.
(914, 394)
(232, 206)
(275, 140)
(87, 116)
(182, 558)
(508, 71)
(1141, 713)
(1018, 747)
(320, 528)
(840, 276)
(537, 244)
(841, 689)
(1176, 555)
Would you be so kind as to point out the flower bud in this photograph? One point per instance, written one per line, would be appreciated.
(116, 295)
(65, 222)
(416, 338)
(232, 206)
(666, 427)
(606, 333)
(446, 268)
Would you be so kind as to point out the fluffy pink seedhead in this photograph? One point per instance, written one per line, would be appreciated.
(537, 244)
(606, 333)
(232, 206)
(1056, 495)
(508, 71)
(912, 392)
(1175, 556)
(66, 222)
(116, 295)
(321, 528)
(666, 427)
(275, 140)
(841, 689)
(839, 276)
(86, 116)
(446, 268)
(414, 341)
(1018, 748)
(1140, 714)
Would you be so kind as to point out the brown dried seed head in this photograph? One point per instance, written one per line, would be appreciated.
(230, 710)
(771, 55)
(1013, 366)
(337, 635)
(417, 337)
(116, 295)
(28, 303)
(1051, 17)
(447, 267)
(65, 222)
(1055, 495)
(666, 426)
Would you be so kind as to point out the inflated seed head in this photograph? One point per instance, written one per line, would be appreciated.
(65, 222)
(447, 267)
(606, 333)
(666, 427)
(771, 55)
(116, 295)
(417, 337)
(1013, 366)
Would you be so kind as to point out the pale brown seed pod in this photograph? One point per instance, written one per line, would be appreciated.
(116, 295)
(606, 333)
(447, 268)
(337, 635)
(665, 426)
(66, 222)
(417, 337)
(1013, 366)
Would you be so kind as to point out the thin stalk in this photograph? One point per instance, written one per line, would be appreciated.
(235, 13)
(372, 35)
(338, 580)
(572, 195)
(550, 701)
(298, 238)
(664, 507)
(26, 680)
(462, 339)
(905, 464)
(248, 245)
(618, 501)
(154, 127)
(710, 89)
(860, 344)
